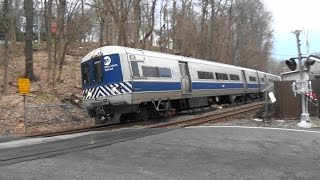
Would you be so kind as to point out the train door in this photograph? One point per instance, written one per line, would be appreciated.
(185, 78)
(259, 81)
(245, 83)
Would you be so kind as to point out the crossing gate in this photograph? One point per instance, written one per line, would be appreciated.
(289, 106)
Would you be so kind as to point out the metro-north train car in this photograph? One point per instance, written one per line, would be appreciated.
(127, 81)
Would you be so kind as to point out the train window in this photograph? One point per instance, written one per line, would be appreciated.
(262, 79)
(234, 77)
(221, 76)
(97, 71)
(165, 72)
(135, 69)
(205, 75)
(270, 80)
(150, 71)
(85, 73)
(253, 79)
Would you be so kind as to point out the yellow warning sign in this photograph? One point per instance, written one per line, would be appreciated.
(24, 85)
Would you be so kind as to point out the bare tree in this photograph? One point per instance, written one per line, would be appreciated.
(49, 38)
(203, 44)
(150, 23)
(73, 29)
(14, 12)
(185, 31)
(28, 7)
(6, 25)
(59, 38)
(119, 11)
(136, 21)
(253, 34)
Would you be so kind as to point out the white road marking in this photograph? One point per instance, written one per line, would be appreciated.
(32, 141)
(248, 127)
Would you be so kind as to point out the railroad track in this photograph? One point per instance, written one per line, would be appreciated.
(59, 148)
(109, 127)
(52, 149)
(217, 117)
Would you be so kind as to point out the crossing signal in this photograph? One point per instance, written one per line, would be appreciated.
(309, 62)
(291, 63)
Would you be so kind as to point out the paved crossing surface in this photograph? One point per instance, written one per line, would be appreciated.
(189, 153)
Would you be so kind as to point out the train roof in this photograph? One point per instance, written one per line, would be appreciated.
(121, 49)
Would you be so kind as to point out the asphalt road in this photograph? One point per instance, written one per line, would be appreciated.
(189, 153)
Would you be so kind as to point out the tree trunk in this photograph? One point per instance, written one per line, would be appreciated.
(13, 22)
(49, 39)
(102, 25)
(60, 37)
(6, 46)
(82, 35)
(203, 31)
(28, 7)
(137, 22)
(151, 24)
(174, 16)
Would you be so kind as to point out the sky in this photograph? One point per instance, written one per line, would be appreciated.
(291, 15)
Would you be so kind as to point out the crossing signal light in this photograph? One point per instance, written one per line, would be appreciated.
(291, 63)
(309, 62)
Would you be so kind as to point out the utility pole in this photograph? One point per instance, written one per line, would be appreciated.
(302, 85)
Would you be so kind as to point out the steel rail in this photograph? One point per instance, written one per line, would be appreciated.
(88, 129)
(211, 118)
(184, 123)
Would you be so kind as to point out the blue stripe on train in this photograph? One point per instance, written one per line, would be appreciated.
(140, 86)
(206, 85)
(253, 86)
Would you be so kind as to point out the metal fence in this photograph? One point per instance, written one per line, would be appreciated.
(289, 106)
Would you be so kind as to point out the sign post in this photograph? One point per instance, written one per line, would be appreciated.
(24, 88)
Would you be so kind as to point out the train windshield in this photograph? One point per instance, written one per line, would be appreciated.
(97, 71)
(85, 73)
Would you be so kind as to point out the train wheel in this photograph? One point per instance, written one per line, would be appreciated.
(124, 118)
(101, 119)
(144, 113)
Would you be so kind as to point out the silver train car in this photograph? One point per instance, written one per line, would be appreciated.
(127, 81)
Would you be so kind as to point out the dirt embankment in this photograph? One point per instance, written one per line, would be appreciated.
(44, 101)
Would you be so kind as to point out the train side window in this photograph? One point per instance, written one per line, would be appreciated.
(234, 77)
(205, 75)
(253, 79)
(150, 71)
(165, 72)
(221, 76)
(262, 79)
(135, 69)
(97, 71)
(85, 73)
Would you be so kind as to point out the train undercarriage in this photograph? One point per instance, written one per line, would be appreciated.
(162, 108)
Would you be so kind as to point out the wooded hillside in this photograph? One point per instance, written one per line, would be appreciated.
(229, 31)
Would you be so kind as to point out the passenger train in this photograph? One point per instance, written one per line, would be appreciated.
(127, 81)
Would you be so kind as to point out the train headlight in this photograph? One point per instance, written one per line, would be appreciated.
(89, 94)
(114, 89)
